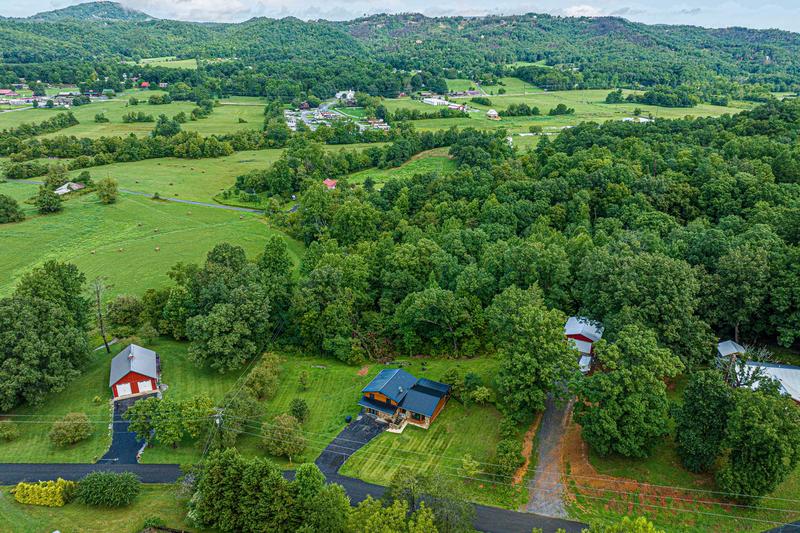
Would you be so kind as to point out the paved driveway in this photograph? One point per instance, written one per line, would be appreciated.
(124, 444)
(352, 438)
(546, 489)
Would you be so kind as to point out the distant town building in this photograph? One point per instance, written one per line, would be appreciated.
(435, 101)
(492, 115)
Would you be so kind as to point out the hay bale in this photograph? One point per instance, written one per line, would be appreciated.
(119, 249)
(92, 252)
(158, 248)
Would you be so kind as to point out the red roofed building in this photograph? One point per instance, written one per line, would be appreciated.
(330, 184)
(145, 84)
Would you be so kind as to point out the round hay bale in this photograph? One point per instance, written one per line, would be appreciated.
(93, 252)
(158, 248)
(119, 249)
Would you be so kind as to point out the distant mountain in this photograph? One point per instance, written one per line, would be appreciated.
(111, 11)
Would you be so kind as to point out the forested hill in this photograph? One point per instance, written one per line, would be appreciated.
(558, 52)
(92, 11)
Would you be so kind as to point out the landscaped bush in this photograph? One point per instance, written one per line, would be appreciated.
(48, 493)
(73, 428)
(263, 379)
(109, 489)
(299, 409)
(8, 430)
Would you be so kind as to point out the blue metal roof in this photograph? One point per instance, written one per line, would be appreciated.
(434, 385)
(393, 383)
(420, 401)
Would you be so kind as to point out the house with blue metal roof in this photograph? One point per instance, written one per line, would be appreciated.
(399, 398)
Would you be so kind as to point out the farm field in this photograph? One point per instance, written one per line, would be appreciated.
(435, 160)
(91, 235)
(589, 105)
(154, 500)
(169, 62)
(190, 179)
(460, 84)
(224, 118)
(21, 191)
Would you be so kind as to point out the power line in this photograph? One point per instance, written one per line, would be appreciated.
(386, 460)
(495, 475)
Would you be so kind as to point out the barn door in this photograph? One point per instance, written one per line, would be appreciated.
(123, 389)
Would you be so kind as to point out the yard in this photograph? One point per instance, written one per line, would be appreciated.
(132, 243)
(154, 501)
(89, 394)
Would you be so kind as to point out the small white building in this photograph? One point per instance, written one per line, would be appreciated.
(69, 187)
(582, 333)
(786, 375)
(492, 115)
(435, 101)
(726, 349)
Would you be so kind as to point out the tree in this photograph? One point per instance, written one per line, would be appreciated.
(98, 287)
(107, 190)
(370, 515)
(8, 430)
(238, 407)
(140, 415)
(283, 436)
(167, 422)
(47, 201)
(124, 314)
(441, 495)
(9, 210)
(328, 510)
(433, 320)
(534, 354)
(304, 379)
(74, 427)
(743, 276)
(166, 127)
(481, 395)
(761, 445)
(701, 420)
(59, 283)
(108, 489)
(298, 408)
(623, 408)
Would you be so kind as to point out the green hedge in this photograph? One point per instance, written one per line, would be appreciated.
(48, 493)
(109, 489)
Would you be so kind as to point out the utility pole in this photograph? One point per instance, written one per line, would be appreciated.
(99, 287)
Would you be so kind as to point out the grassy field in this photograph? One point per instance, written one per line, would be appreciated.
(170, 62)
(154, 500)
(460, 85)
(224, 118)
(589, 105)
(33, 444)
(120, 241)
(21, 191)
(435, 160)
(190, 179)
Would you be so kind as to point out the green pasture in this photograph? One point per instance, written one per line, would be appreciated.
(132, 243)
(460, 84)
(436, 160)
(224, 118)
(589, 105)
(170, 62)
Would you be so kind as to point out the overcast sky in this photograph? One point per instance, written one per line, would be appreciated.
(784, 14)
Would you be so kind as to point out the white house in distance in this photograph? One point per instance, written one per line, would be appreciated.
(582, 334)
(787, 376)
(492, 115)
(134, 371)
(69, 187)
(435, 101)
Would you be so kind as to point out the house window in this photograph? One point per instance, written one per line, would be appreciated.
(418, 417)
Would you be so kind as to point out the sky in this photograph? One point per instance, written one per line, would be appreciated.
(783, 14)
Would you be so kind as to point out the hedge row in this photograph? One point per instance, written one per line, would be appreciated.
(48, 493)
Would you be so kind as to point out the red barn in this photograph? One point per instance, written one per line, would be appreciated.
(134, 371)
(329, 183)
(145, 84)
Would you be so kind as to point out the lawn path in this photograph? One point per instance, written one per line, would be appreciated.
(546, 489)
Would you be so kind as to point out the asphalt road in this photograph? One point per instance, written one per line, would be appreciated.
(13, 473)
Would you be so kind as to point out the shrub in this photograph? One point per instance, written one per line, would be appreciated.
(73, 428)
(153, 521)
(107, 190)
(263, 379)
(9, 210)
(283, 436)
(8, 430)
(48, 493)
(299, 409)
(109, 489)
(47, 201)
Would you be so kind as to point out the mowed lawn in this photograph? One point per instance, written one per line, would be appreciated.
(21, 191)
(89, 394)
(154, 500)
(459, 430)
(436, 160)
(224, 119)
(132, 243)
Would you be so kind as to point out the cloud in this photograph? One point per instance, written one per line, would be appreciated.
(583, 10)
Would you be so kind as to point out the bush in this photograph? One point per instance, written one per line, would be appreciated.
(153, 521)
(47, 201)
(48, 493)
(109, 489)
(283, 436)
(107, 190)
(8, 430)
(73, 428)
(9, 210)
(299, 409)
